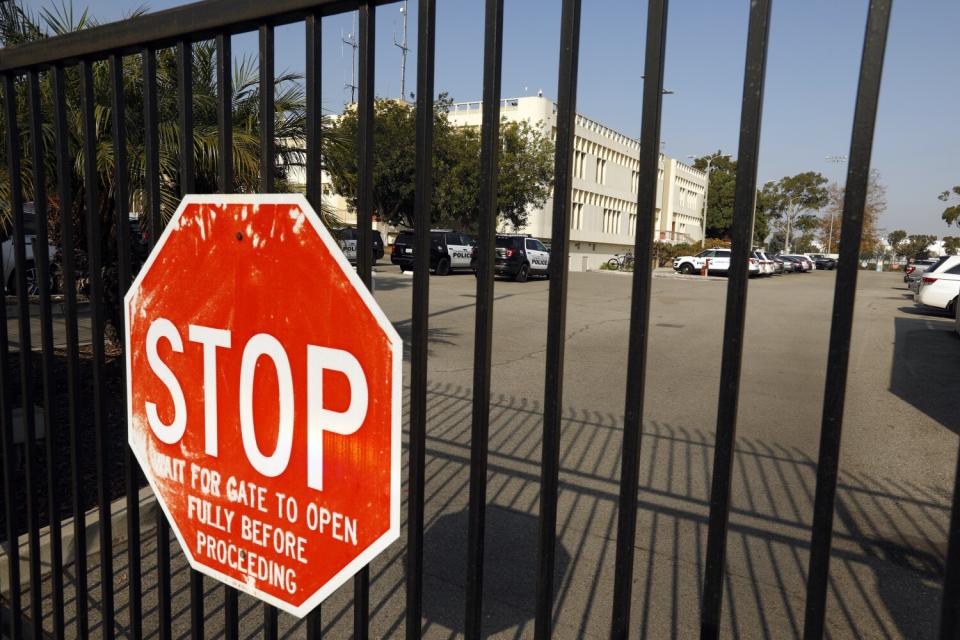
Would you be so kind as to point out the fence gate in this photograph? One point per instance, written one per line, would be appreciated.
(51, 114)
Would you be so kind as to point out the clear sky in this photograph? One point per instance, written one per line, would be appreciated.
(814, 56)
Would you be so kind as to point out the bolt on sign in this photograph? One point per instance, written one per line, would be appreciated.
(263, 398)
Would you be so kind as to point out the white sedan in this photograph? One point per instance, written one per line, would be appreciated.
(940, 288)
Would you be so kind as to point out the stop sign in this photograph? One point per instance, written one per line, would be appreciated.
(263, 395)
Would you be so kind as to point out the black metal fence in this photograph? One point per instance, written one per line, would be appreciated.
(24, 68)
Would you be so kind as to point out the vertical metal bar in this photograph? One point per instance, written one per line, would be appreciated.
(480, 426)
(151, 144)
(91, 180)
(224, 116)
(743, 213)
(67, 246)
(639, 313)
(188, 185)
(313, 168)
(267, 165)
(121, 198)
(557, 314)
(10, 479)
(231, 604)
(851, 231)
(25, 347)
(950, 600)
(367, 32)
(267, 110)
(423, 195)
(151, 137)
(41, 258)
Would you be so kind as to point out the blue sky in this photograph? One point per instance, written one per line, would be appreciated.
(812, 69)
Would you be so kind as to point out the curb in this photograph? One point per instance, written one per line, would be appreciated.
(118, 522)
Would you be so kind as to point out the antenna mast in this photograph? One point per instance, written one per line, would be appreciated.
(351, 41)
(402, 45)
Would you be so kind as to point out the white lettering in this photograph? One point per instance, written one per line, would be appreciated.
(168, 433)
(210, 339)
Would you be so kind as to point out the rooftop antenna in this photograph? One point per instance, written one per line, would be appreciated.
(351, 41)
(402, 45)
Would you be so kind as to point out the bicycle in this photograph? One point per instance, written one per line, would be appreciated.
(620, 261)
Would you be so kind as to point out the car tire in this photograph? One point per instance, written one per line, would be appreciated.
(523, 273)
(443, 267)
(686, 268)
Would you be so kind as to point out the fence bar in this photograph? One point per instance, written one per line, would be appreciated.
(313, 168)
(67, 245)
(423, 195)
(557, 314)
(41, 259)
(121, 196)
(91, 180)
(25, 347)
(10, 480)
(639, 313)
(844, 297)
(365, 95)
(151, 180)
(950, 600)
(224, 115)
(165, 28)
(267, 120)
(483, 332)
(231, 597)
(187, 185)
(742, 236)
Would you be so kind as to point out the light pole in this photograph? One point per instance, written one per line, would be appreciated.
(836, 160)
(706, 192)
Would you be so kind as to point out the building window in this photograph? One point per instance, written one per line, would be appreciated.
(576, 216)
(634, 181)
(611, 221)
(632, 225)
(601, 171)
(579, 158)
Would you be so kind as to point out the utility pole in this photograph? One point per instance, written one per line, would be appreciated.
(402, 45)
(351, 41)
(837, 160)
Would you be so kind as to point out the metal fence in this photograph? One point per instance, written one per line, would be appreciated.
(141, 38)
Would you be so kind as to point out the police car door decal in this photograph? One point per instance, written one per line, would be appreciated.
(458, 250)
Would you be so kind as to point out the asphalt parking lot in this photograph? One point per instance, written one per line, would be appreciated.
(898, 457)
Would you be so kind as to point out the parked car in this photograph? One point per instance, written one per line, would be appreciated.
(805, 262)
(915, 266)
(7, 256)
(449, 251)
(518, 257)
(717, 261)
(940, 285)
(914, 279)
(347, 238)
(821, 261)
(792, 264)
(767, 265)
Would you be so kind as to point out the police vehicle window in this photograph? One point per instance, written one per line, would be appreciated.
(463, 239)
(504, 242)
(723, 253)
(705, 254)
(539, 246)
(531, 244)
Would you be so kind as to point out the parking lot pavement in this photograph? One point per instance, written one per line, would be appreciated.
(899, 451)
(898, 455)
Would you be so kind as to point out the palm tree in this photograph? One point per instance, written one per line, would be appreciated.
(18, 26)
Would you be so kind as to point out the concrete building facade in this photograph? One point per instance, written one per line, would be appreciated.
(606, 166)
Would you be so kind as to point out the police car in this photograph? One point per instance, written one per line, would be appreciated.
(347, 237)
(449, 251)
(519, 257)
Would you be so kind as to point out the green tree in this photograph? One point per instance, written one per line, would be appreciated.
(720, 196)
(915, 246)
(894, 238)
(791, 202)
(951, 214)
(951, 245)
(525, 173)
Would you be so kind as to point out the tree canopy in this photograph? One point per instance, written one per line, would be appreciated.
(951, 245)
(894, 238)
(525, 175)
(720, 197)
(951, 215)
(915, 246)
(792, 201)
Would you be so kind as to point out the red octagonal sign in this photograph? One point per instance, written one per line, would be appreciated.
(263, 390)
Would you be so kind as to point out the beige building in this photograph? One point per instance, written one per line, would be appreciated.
(606, 165)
